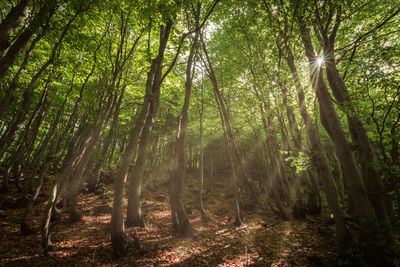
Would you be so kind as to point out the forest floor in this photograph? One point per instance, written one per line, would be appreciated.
(262, 240)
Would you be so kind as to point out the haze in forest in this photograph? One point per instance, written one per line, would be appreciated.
(202, 133)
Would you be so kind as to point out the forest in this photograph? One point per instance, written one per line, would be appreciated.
(199, 133)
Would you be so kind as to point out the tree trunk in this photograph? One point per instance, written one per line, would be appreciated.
(279, 178)
(95, 174)
(70, 125)
(211, 167)
(201, 112)
(40, 155)
(134, 212)
(237, 221)
(27, 138)
(102, 116)
(27, 97)
(81, 147)
(90, 140)
(7, 60)
(364, 212)
(319, 160)
(230, 138)
(332, 124)
(25, 229)
(366, 156)
(13, 19)
(153, 85)
(75, 177)
(276, 187)
(184, 228)
(313, 204)
(8, 95)
(339, 177)
(45, 226)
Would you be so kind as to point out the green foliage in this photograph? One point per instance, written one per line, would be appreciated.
(245, 41)
(301, 162)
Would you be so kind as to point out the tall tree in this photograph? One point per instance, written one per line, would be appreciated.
(153, 84)
(180, 220)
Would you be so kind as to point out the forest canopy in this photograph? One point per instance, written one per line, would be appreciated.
(285, 109)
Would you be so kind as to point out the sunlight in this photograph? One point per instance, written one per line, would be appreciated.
(161, 214)
(196, 132)
(320, 60)
(249, 258)
(178, 255)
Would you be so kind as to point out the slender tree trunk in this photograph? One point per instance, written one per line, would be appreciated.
(27, 97)
(28, 143)
(103, 115)
(45, 226)
(13, 19)
(25, 229)
(8, 95)
(92, 138)
(332, 124)
(279, 177)
(69, 127)
(26, 139)
(237, 221)
(319, 160)
(75, 177)
(364, 212)
(153, 84)
(39, 156)
(184, 228)
(134, 212)
(298, 207)
(313, 194)
(8, 58)
(276, 184)
(231, 165)
(275, 149)
(95, 174)
(78, 145)
(231, 141)
(211, 167)
(366, 156)
(339, 176)
(118, 238)
(111, 156)
(201, 112)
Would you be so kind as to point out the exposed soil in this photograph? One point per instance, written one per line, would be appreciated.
(262, 240)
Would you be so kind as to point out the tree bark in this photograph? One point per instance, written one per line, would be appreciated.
(279, 181)
(7, 59)
(153, 84)
(184, 228)
(8, 95)
(134, 212)
(39, 156)
(8, 137)
(13, 19)
(313, 204)
(94, 176)
(26, 138)
(230, 138)
(364, 212)
(276, 187)
(203, 215)
(25, 229)
(102, 116)
(365, 154)
(92, 137)
(319, 160)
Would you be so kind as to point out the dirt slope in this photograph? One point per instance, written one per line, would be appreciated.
(262, 240)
